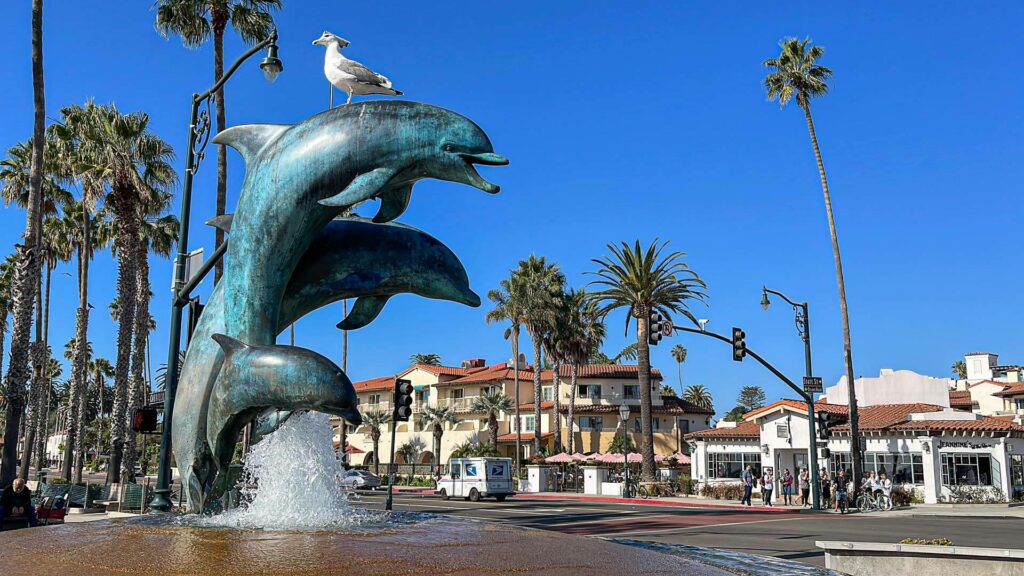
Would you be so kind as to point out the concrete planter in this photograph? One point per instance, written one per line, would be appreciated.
(873, 558)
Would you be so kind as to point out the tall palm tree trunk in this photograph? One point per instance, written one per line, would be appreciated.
(680, 379)
(557, 428)
(375, 437)
(219, 19)
(643, 355)
(127, 238)
(438, 433)
(28, 270)
(137, 383)
(80, 364)
(573, 371)
(44, 393)
(536, 394)
(855, 448)
(492, 428)
(38, 373)
(515, 380)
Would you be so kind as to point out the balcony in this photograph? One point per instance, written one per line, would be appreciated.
(459, 405)
(370, 407)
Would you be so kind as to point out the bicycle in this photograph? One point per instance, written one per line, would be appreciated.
(842, 502)
(868, 502)
(636, 490)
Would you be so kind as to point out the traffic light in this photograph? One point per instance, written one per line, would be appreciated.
(403, 401)
(654, 328)
(823, 425)
(825, 453)
(144, 420)
(739, 347)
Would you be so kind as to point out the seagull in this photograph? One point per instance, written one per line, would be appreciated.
(348, 75)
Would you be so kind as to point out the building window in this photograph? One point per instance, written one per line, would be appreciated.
(655, 425)
(374, 398)
(632, 391)
(732, 464)
(961, 469)
(591, 423)
(840, 461)
(529, 423)
(684, 425)
(1019, 403)
(900, 468)
(548, 393)
(1017, 471)
(592, 391)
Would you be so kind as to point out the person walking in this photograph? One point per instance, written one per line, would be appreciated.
(767, 486)
(748, 484)
(886, 486)
(787, 487)
(826, 489)
(805, 487)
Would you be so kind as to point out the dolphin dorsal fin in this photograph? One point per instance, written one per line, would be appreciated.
(222, 222)
(228, 344)
(249, 139)
(363, 312)
(393, 204)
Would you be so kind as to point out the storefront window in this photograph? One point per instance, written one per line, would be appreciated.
(966, 469)
(900, 468)
(840, 461)
(1017, 470)
(732, 464)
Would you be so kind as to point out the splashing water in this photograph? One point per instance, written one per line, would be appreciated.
(291, 481)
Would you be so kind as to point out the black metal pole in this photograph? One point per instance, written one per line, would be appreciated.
(391, 463)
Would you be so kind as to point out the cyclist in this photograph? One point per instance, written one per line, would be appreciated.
(842, 495)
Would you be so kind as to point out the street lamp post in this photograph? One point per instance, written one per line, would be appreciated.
(198, 138)
(624, 418)
(803, 328)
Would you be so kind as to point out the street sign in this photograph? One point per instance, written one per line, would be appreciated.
(666, 328)
(812, 385)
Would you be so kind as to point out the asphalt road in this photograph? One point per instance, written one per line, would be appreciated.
(789, 536)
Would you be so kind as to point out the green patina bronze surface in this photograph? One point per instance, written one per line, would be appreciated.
(287, 256)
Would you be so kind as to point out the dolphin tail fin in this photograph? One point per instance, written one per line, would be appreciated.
(249, 139)
(393, 204)
(363, 312)
(228, 344)
(222, 222)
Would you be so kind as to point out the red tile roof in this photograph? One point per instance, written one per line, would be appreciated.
(799, 406)
(985, 424)
(960, 399)
(883, 416)
(742, 430)
(1011, 389)
(502, 372)
(527, 437)
(442, 370)
(382, 383)
(543, 405)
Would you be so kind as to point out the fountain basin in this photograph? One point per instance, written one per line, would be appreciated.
(430, 545)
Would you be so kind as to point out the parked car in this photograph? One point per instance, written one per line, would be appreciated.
(360, 479)
(476, 478)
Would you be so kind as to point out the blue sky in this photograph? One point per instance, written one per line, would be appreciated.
(625, 121)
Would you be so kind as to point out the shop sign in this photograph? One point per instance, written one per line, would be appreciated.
(964, 444)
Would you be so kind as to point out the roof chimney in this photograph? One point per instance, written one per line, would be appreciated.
(474, 363)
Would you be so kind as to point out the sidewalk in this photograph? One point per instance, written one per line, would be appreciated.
(675, 501)
(961, 510)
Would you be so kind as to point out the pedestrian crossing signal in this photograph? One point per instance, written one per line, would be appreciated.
(144, 420)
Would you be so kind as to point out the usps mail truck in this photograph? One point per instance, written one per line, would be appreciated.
(476, 478)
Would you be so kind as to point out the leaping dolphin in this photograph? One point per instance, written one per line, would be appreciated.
(300, 177)
(350, 258)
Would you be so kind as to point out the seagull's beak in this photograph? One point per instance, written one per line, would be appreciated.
(318, 42)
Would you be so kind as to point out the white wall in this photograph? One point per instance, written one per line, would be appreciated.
(979, 366)
(893, 387)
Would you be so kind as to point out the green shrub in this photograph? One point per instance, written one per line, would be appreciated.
(927, 542)
(56, 480)
(975, 495)
(724, 491)
(684, 485)
(902, 496)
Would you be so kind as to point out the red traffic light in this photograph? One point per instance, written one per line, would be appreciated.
(144, 420)
(403, 400)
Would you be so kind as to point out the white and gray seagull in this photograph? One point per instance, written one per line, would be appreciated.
(348, 75)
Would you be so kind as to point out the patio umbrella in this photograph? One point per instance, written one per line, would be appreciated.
(579, 457)
(681, 458)
(634, 457)
(560, 458)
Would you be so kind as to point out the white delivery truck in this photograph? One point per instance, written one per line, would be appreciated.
(476, 478)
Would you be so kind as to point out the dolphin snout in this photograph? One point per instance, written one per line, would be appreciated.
(486, 158)
(351, 416)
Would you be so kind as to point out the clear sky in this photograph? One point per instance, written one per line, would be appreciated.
(625, 121)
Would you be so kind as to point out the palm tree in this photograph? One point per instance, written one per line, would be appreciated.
(584, 335)
(436, 417)
(195, 21)
(959, 369)
(698, 394)
(679, 355)
(376, 419)
(554, 341)
(492, 403)
(27, 275)
(78, 145)
(644, 281)
(508, 307)
(540, 284)
(428, 359)
(796, 73)
(138, 164)
(7, 268)
(101, 370)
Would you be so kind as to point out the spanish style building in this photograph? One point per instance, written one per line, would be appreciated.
(919, 430)
(600, 390)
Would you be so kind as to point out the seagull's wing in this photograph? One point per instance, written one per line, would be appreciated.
(362, 74)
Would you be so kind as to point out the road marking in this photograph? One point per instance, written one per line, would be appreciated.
(604, 520)
(684, 528)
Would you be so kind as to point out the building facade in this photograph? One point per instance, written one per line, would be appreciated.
(599, 392)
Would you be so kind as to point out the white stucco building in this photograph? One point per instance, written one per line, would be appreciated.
(927, 446)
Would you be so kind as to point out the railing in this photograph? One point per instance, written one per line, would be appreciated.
(368, 407)
(464, 404)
